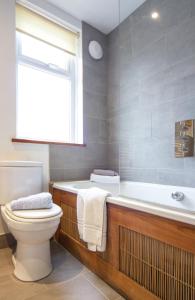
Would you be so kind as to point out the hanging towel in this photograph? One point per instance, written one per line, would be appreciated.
(92, 217)
(38, 201)
(104, 172)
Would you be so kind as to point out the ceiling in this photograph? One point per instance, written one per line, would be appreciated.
(101, 14)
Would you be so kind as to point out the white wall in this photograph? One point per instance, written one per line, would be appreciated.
(8, 150)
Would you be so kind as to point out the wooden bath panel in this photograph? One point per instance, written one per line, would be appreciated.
(165, 270)
(69, 226)
(147, 257)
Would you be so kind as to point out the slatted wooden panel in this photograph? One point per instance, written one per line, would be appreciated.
(166, 271)
(69, 225)
(69, 222)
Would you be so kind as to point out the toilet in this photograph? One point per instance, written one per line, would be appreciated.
(32, 229)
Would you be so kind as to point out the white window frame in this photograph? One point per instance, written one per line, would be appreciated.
(76, 72)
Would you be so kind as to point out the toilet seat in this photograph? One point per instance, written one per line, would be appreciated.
(34, 216)
(32, 230)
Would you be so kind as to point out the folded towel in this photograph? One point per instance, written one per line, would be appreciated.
(105, 172)
(38, 201)
(104, 179)
(92, 217)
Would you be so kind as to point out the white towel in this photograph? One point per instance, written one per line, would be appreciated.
(104, 179)
(38, 201)
(92, 217)
(104, 172)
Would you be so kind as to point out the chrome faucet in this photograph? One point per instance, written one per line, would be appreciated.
(178, 196)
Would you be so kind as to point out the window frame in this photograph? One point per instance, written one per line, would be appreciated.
(73, 74)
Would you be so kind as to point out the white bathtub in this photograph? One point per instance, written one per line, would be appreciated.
(147, 197)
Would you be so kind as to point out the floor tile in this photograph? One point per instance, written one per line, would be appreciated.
(70, 280)
(101, 285)
(75, 289)
(11, 288)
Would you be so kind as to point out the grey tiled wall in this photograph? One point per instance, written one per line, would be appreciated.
(134, 96)
(68, 163)
(151, 85)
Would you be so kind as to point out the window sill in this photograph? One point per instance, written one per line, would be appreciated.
(26, 141)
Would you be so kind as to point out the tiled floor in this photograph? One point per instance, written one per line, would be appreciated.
(70, 280)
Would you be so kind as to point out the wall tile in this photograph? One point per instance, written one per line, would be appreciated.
(113, 38)
(189, 163)
(192, 8)
(177, 177)
(124, 28)
(152, 59)
(113, 100)
(162, 123)
(157, 88)
(56, 174)
(174, 12)
(139, 175)
(181, 41)
(94, 81)
(135, 123)
(113, 156)
(95, 105)
(114, 129)
(129, 97)
(125, 52)
(144, 33)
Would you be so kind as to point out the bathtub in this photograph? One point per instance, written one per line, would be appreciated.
(152, 198)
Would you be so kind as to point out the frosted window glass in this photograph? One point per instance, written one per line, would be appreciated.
(39, 93)
(44, 53)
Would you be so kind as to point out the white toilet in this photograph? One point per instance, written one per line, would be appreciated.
(32, 229)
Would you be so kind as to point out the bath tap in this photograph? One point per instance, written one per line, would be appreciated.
(178, 196)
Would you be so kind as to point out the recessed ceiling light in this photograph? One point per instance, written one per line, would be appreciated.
(155, 15)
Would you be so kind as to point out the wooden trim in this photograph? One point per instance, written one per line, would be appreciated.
(175, 233)
(28, 141)
(67, 198)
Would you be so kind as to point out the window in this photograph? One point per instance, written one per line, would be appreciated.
(48, 104)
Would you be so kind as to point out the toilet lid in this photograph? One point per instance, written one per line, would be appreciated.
(35, 213)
